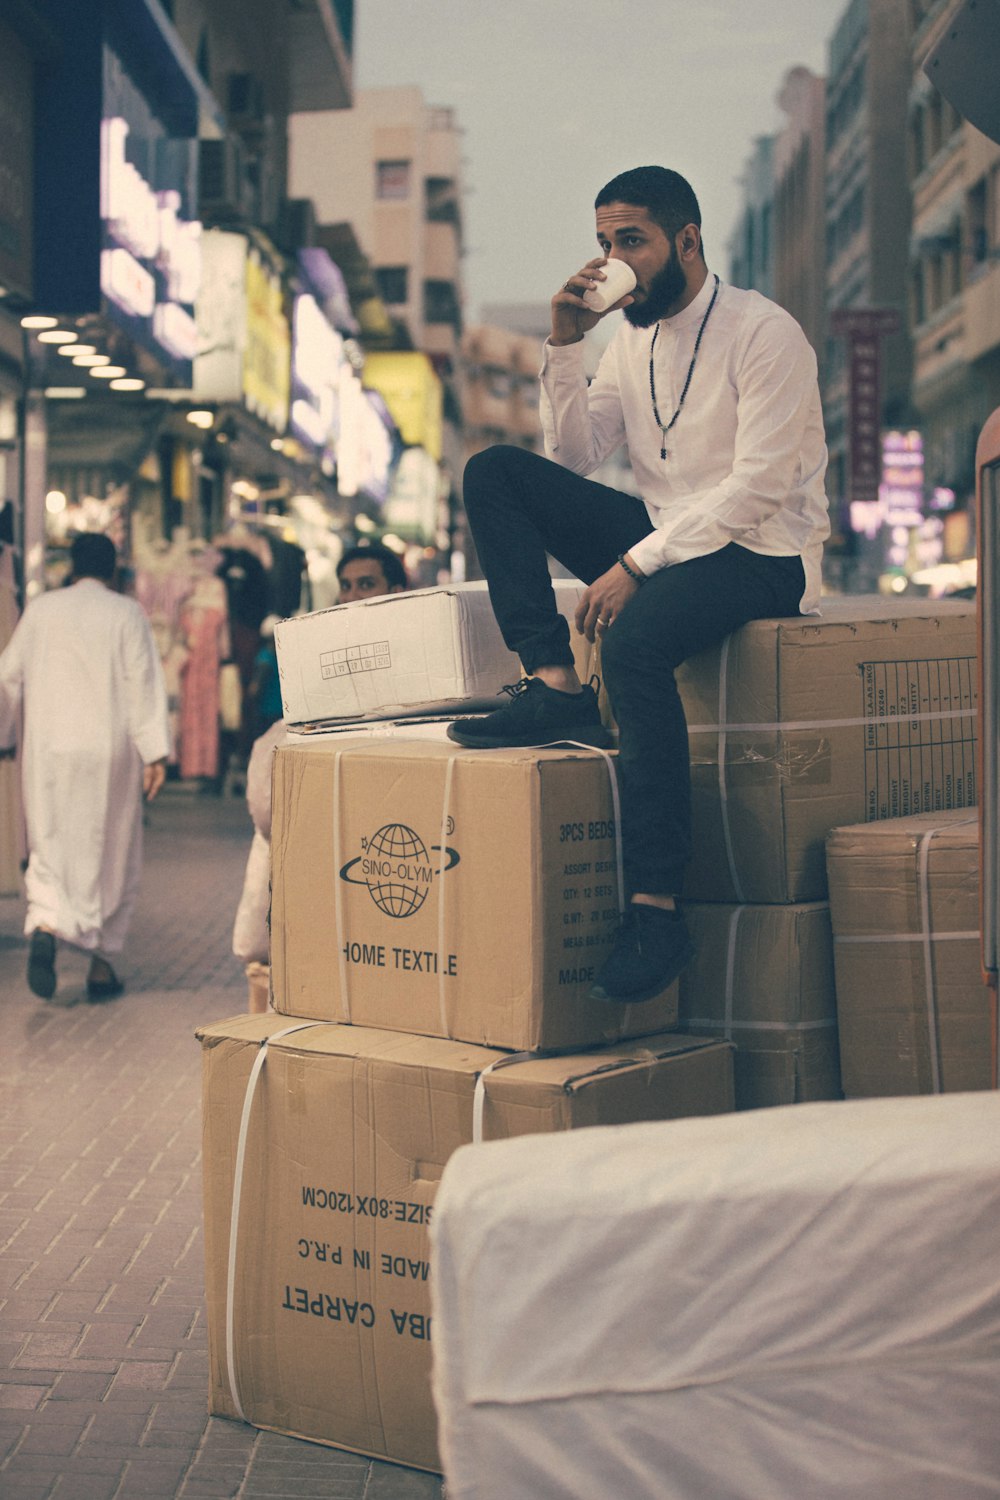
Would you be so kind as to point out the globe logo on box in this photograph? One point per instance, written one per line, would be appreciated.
(397, 869)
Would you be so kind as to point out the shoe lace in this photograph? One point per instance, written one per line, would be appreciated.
(516, 689)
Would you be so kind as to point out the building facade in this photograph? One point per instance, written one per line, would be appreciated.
(867, 237)
(799, 203)
(751, 244)
(954, 285)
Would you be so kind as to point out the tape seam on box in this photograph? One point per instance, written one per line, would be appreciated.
(443, 851)
(723, 791)
(732, 1025)
(338, 895)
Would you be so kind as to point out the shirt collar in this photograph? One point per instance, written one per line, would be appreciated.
(695, 310)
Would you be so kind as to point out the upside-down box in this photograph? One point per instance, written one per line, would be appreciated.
(432, 650)
(462, 893)
(762, 976)
(348, 1134)
(914, 1014)
(797, 726)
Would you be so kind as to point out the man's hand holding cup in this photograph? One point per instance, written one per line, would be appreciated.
(602, 286)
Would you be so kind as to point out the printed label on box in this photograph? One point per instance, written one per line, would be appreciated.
(920, 743)
(373, 656)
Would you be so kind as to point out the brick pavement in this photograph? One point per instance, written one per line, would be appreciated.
(103, 1359)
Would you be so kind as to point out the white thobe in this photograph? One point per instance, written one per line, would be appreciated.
(83, 664)
(747, 457)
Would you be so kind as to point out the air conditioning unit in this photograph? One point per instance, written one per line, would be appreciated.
(223, 189)
(244, 99)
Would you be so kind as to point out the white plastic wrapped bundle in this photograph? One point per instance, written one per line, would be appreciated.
(797, 1302)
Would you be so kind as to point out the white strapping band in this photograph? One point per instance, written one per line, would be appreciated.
(443, 865)
(723, 791)
(338, 895)
(877, 721)
(479, 1099)
(234, 1222)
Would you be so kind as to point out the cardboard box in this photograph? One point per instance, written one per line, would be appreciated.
(762, 977)
(432, 650)
(914, 1015)
(798, 1304)
(462, 893)
(798, 726)
(349, 1132)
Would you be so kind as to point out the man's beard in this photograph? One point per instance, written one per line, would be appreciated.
(666, 287)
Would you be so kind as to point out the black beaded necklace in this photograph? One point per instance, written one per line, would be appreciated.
(652, 378)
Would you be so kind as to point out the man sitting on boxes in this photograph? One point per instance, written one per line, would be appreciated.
(714, 391)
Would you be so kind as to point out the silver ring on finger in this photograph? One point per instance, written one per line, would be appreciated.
(604, 624)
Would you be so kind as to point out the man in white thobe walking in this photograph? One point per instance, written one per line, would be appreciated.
(83, 665)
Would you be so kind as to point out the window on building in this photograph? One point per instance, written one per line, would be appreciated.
(392, 283)
(975, 213)
(441, 304)
(442, 200)
(392, 179)
(918, 153)
(918, 295)
(935, 124)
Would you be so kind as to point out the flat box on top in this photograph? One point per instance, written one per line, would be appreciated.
(762, 976)
(462, 893)
(914, 1015)
(800, 725)
(432, 650)
(349, 1132)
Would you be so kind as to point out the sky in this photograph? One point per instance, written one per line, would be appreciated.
(554, 97)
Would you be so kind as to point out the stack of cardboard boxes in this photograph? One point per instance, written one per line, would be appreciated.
(437, 915)
(437, 919)
(864, 716)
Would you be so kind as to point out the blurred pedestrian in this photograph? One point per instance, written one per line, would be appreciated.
(83, 666)
(364, 572)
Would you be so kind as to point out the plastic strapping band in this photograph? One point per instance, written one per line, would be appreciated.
(443, 865)
(723, 795)
(890, 721)
(479, 1099)
(911, 937)
(616, 805)
(234, 1223)
(734, 922)
(925, 922)
(338, 895)
(616, 809)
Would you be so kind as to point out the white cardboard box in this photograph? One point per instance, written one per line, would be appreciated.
(429, 651)
(799, 1302)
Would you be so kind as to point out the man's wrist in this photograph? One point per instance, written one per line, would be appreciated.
(561, 343)
(633, 572)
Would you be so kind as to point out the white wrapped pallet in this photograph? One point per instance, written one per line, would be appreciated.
(793, 1302)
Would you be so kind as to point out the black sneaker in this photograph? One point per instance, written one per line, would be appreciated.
(535, 715)
(651, 949)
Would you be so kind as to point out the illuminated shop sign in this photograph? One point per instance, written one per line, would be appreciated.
(267, 355)
(364, 450)
(317, 355)
(151, 260)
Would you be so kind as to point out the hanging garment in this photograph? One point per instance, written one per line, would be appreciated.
(206, 637)
(83, 662)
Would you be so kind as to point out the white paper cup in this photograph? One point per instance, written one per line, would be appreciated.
(619, 281)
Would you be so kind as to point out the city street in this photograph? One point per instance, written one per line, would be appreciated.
(103, 1358)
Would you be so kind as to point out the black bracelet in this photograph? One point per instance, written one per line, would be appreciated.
(639, 577)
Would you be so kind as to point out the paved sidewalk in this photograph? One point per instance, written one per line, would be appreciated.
(103, 1360)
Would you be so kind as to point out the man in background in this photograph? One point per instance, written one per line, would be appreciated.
(83, 666)
(367, 572)
(364, 572)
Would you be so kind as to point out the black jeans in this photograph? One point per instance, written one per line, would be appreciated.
(522, 507)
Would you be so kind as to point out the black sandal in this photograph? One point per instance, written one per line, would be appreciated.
(104, 989)
(42, 964)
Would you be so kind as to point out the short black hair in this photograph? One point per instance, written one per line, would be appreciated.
(667, 197)
(391, 564)
(93, 555)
